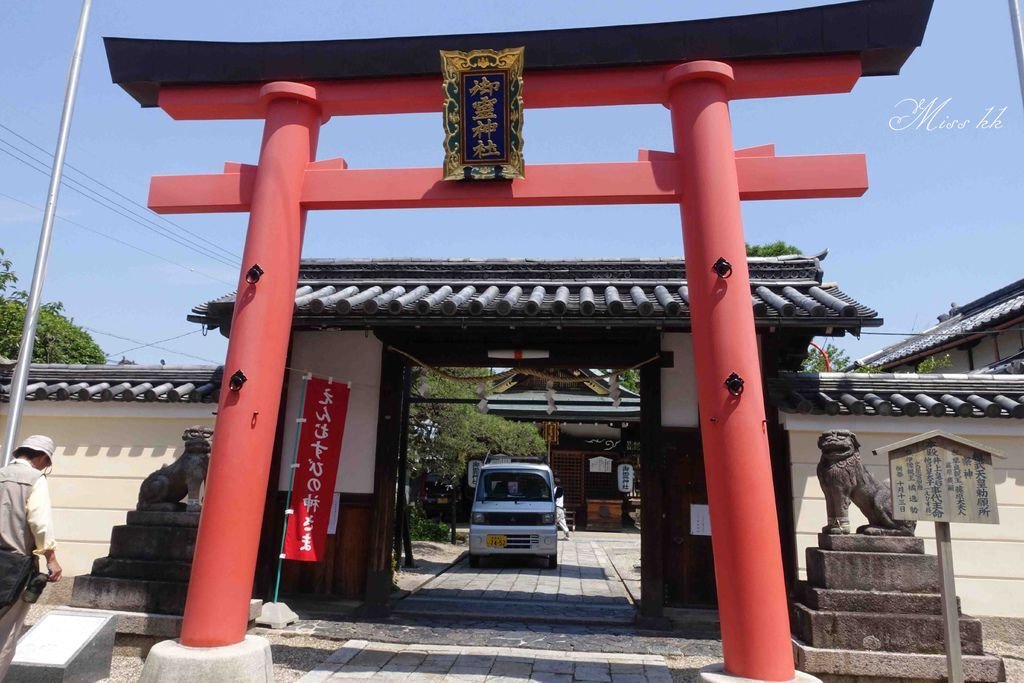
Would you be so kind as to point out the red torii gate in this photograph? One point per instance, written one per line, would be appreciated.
(705, 175)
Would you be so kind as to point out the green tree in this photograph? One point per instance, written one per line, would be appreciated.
(933, 363)
(444, 436)
(815, 362)
(778, 248)
(58, 339)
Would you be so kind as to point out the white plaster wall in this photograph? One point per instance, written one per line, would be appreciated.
(104, 451)
(679, 383)
(988, 559)
(347, 357)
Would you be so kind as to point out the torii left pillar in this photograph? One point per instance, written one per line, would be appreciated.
(216, 610)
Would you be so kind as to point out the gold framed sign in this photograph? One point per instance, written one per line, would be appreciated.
(483, 114)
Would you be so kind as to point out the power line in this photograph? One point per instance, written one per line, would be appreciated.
(110, 205)
(158, 341)
(123, 196)
(120, 241)
(143, 345)
(97, 198)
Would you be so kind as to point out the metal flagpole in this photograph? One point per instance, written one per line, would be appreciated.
(288, 512)
(28, 334)
(1018, 42)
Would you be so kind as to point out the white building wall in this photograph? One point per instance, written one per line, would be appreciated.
(104, 451)
(988, 559)
(346, 357)
(678, 383)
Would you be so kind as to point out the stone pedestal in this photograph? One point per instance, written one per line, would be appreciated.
(870, 611)
(148, 567)
(172, 662)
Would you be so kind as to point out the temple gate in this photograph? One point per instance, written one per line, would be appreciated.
(694, 68)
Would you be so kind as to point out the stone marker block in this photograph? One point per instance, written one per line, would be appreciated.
(177, 544)
(873, 571)
(870, 544)
(117, 568)
(133, 595)
(921, 633)
(891, 667)
(151, 518)
(65, 646)
(844, 600)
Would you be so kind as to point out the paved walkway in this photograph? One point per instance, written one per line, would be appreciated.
(585, 588)
(363, 660)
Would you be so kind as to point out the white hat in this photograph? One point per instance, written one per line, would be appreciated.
(39, 443)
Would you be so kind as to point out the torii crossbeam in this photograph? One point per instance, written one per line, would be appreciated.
(693, 68)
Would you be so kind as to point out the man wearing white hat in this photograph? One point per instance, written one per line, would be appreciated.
(26, 527)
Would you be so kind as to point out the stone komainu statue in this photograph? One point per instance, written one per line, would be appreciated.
(844, 478)
(163, 490)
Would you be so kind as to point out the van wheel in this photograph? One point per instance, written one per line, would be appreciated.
(474, 561)
(552, 561)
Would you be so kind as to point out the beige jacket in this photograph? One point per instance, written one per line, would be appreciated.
(26, 519)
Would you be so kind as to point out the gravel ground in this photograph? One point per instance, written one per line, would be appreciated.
(431, 559)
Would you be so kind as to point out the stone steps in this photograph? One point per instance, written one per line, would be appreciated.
(890, 632)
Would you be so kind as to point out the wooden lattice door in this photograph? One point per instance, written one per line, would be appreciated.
(568, 467)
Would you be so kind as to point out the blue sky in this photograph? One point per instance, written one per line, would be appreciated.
(940, 224)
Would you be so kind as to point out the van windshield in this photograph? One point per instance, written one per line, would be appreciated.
(518, 486)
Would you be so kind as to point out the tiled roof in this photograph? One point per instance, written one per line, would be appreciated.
(623, 292)
(909, 395)
(959, 325)
(125, 383)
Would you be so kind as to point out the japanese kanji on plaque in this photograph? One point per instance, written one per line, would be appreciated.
(941, 478)
(319, 449)
(483, 114)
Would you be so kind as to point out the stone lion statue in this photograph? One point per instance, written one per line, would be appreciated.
(163, 490)
(844, 478)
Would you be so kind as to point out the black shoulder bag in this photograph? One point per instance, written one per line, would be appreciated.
(15, 570)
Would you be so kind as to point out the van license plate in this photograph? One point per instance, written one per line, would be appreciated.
(497, 541)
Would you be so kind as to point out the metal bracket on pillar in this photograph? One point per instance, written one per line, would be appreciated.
(734, 383)
(722, 268)
(253, 275)
(237, 380)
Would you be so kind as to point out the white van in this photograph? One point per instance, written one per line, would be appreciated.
(514, 511)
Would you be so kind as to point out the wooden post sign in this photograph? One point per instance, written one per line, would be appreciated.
(942, 478)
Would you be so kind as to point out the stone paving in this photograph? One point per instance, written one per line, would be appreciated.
(700, 640)
(584, 588)
(364, 660)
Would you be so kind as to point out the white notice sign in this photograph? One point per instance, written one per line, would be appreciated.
(700, 520)
(473, 472)
(58, 637)
(625, 478)
(601, 464)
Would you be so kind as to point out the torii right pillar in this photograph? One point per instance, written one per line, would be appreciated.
(752, 600)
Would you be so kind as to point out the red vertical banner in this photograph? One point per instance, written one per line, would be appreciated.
(319, 449)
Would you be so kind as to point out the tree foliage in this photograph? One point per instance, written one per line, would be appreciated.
(58, 339)
(778, 248)
(444, 436)
(815, 362)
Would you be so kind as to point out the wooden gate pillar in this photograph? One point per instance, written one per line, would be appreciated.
(745, 533)
(217, 608)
